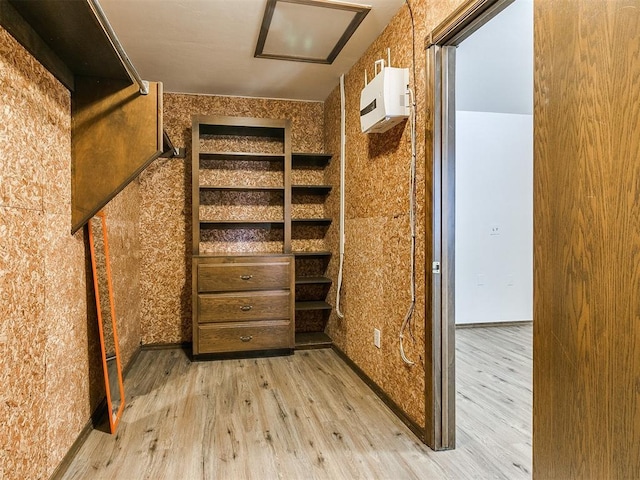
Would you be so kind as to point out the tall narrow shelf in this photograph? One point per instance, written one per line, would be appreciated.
(312, 285)
(243, 276)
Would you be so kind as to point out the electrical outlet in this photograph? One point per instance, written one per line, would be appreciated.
(376, 337)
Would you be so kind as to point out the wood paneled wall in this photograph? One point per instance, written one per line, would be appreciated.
(586, 418)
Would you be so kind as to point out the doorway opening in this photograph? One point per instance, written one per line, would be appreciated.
(481, 114)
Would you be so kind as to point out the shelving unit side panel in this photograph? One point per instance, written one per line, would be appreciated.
(195, 185)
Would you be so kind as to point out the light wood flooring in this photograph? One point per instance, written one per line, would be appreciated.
(308, 416)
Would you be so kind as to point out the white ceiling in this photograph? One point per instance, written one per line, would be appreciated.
(207, 47)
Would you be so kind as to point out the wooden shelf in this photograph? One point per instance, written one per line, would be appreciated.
(309, 340)
(319, 253)
(66, 37)
(311, 221)
(310, 159)
(313, 281)
(243, 156)
(242, 224)
(242, 130)
(312, 305)
(237, 188)
(310, 189)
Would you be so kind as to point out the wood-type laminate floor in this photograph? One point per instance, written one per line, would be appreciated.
(308, 416)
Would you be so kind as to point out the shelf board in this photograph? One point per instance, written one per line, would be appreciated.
(310, 159)
(309, 340)
(311, 189)
(241, 130)
(318, 253)
(311, 221)
(66, 37)
(242, 156)
(237, 188)
(313, 281)
(222, 253)
(220, 224)
(312, 305)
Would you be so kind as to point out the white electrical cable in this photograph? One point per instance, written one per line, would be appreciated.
(412, 220)
(343, 142)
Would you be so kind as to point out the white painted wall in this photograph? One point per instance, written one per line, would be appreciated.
(494, 170)
(494, 217)
(494, 66)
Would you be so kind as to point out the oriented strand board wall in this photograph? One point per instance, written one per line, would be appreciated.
(50, 368)
(375, 291)
(165, 222)
(376, 282)
(586, 352)
(44, 356)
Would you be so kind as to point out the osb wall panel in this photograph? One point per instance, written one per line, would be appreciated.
(43, 342)
(50, 368)
(376, 282)
(165, 221)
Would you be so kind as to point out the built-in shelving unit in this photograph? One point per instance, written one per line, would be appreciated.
(243, 270)
(246, 204)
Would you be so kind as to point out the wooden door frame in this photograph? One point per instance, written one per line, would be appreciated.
(440, 155)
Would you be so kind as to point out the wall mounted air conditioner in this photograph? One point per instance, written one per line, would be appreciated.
(384, 101)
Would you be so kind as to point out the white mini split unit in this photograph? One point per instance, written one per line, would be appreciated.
(384, 102)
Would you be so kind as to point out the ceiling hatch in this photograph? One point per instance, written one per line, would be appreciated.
(307, 30)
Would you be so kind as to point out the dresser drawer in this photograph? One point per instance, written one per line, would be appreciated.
(234, 337)
(226, 307)
(230, 277)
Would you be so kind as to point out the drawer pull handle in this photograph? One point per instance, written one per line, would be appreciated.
(246, 308)
(246, 277)
(246, 338)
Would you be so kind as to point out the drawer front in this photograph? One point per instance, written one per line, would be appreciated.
(228, 307)
(234, 337)
(244, 276)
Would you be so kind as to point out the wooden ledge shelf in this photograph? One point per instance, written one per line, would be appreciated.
(311, 189)
(239, 188)
(268, 224)
(241, 130)
(319, 253)
(312, 305)
(310, 159)
(311, 221)
(310, 340)
(215, 254)
(313, 281)
(242, 156)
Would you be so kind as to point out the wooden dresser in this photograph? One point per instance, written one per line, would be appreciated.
(243, 303)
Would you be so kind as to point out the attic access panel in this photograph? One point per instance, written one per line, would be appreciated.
(307, 30)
